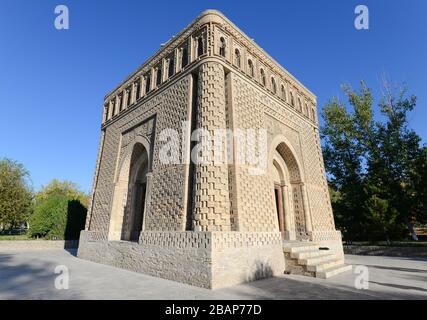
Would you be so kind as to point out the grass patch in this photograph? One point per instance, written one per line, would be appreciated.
(393, 243)
(14, 237)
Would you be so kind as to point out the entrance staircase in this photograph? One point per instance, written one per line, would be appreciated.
(307, 258)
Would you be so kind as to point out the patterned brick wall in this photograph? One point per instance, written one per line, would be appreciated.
(255, 198)
(167, 109)
(215, 185)
(254, 108)
(231, 208)
(103, 192)
(205, 259)
(211, 210)
(317, 188)
(166, 204)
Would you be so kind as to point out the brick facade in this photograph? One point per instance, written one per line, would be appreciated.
(208, 223)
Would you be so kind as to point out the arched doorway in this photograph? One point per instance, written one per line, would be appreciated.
(280, 194)
(130, 193)
(288, 193)
(135, 206)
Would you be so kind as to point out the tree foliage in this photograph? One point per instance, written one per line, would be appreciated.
(65, 188)
(376, 168)
(60, 211)
(15, 193)
(49, 218)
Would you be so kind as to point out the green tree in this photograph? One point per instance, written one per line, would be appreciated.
(376, 167)
(60, 211)
(347, 136)
(15, 193)
(381, 216)
(65, 188)
(49, 218)
(397, 164)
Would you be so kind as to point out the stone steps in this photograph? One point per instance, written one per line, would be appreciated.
(333, 271)
(305, 258)
(316, 260)
(325, 265)
(307, 254)
(301, 248)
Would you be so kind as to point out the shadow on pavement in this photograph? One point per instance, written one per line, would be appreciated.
(294, 289)
(399, 286)
(33, 281)
(396, 268)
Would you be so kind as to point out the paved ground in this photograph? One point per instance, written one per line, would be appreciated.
(30, 275)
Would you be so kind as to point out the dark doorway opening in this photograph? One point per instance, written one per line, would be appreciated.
(278, 194)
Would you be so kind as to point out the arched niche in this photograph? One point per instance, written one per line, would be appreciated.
(131, 191)
(289, 191)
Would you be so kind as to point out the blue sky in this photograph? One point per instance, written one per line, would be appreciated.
(52, 82)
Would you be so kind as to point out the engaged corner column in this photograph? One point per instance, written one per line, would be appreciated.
(211, 210)
(304, 194)
(149, 178)
(288, 217)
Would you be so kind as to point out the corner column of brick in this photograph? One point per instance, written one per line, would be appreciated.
(95, 181)
(211, 210)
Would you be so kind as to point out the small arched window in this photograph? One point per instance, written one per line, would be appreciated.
(262, 77)
(138, 90)
(171, 67)
(307, 112)
(283, 92)
(237, 58)
(184, 56)
(292, 99)
(128, 95)
(273, 85)
(251, 68)
(121, 101)
(147, 83)
(200, 46)
(113, 110)
(222, 46)
(159, 76)
(106, 110)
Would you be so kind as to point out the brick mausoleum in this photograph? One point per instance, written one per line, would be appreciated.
(211, 224)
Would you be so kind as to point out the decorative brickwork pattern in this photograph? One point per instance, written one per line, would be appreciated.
(95, 181)
(186, 239)
(319, 236)
(300, 223)
(222, 240)
(255, 209)
(204, 259)
(228, 208)
(212, 207)
(317, 188)
(165, 206)
(252, 108)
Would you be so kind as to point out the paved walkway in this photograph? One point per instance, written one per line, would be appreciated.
(30, 275)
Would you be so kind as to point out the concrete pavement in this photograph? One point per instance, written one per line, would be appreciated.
(31, 275)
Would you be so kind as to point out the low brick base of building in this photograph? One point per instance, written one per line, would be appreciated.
(204, 259)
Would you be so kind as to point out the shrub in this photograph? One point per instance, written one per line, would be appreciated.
(49, 218)
(57, 217)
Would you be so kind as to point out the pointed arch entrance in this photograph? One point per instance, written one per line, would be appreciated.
(130, 194)
(289, 191)
(137, 186)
